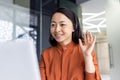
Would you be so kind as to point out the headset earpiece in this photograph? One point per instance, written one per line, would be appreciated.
(75, 23)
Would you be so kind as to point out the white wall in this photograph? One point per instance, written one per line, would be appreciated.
(13, 15)
(113, 32)
(10, 11)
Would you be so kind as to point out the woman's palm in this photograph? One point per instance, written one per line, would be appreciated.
(89, 42)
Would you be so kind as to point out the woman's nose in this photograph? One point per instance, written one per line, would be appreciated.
(57, 29)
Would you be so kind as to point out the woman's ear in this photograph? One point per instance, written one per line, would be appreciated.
(73, 30)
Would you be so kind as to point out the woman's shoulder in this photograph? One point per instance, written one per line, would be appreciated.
(48, 50)
(48, 53)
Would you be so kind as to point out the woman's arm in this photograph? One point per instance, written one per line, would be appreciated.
(93, 75)
(89, 57)
(89, 65)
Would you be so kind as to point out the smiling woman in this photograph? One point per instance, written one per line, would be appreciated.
(71, 55)
(61, 28)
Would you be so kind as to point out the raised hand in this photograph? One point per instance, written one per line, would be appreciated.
(88, 45)
(87, 48)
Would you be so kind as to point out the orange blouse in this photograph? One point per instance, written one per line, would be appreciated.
(66, 63)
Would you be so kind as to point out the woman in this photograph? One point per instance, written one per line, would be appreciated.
(71, 55)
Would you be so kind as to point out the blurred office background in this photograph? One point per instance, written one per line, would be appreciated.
(30, 19)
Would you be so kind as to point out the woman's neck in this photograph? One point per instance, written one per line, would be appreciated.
(64, 43)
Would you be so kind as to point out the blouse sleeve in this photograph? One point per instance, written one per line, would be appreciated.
(96, 75)
(42, 68)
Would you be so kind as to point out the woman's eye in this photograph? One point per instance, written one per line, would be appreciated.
(52, 25)
(62, 24)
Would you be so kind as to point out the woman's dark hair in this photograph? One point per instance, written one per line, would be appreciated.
(77, 29)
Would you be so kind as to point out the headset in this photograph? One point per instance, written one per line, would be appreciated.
(75, 23)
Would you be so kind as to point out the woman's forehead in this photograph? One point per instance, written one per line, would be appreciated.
(60, 17)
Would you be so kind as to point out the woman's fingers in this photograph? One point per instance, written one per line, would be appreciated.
(85, 39)
(89, 41)
(80, 43)
(89, 37)
(94, 39)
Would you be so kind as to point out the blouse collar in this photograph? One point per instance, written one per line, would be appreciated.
(65, 47)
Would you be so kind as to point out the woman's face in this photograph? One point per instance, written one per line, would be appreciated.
(61, 28)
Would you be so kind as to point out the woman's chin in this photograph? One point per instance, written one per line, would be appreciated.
(59, 41)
